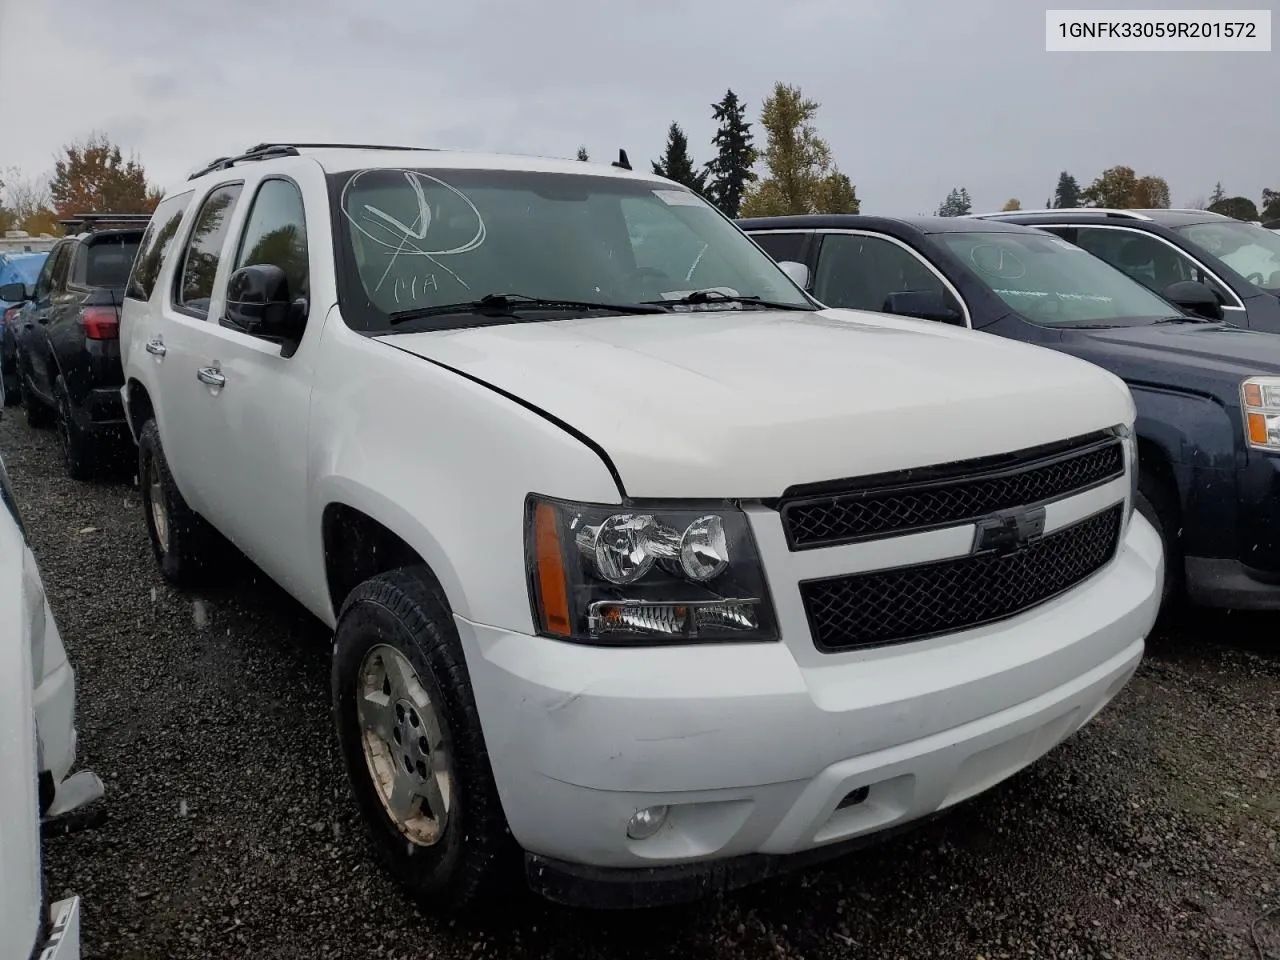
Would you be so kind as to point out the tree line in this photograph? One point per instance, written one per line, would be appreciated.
(88, 175)
(1120, 188)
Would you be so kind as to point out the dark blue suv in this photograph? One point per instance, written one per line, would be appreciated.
(1207, 393)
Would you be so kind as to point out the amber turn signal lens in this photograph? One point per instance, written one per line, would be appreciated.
(553, 592)
(1253, 395)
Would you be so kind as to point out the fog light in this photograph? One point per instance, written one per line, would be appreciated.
(646, 822)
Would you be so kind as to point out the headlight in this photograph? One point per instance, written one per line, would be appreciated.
(645, 575)
(1260, 404)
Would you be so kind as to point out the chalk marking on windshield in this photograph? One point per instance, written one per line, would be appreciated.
(701, 253)
(406, 238)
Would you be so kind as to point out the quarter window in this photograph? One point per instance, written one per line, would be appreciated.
(860, 272)
(156, 241)
(275, 234)
(204, 250)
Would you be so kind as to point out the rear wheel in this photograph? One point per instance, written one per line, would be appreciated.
(186, 547)
(79, 454)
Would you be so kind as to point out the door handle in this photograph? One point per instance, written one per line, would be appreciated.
(156, 347)
(211, 376)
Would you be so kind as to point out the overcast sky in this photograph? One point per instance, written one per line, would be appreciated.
(917, 95)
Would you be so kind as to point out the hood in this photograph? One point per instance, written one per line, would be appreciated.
(744, 404)
(1170, 352)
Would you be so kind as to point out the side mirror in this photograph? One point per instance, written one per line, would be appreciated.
(15, 292)
(921, 304)
(259, 304)
(797, 272)
(1195, 298)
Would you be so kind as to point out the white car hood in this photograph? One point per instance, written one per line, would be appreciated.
(744, 404)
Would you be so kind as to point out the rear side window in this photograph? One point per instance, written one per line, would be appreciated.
(204, 250)
(155, 245)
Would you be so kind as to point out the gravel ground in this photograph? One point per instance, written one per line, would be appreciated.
(1155, 832)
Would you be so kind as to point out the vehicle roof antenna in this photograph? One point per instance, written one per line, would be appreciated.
(622, 162)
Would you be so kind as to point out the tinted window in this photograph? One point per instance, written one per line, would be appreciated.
(859, 272)
(156, 241)
(419, 238)
(1146, 259)
(56, 276)
(105, 261)
(781, 246)
(204, 250)
(44, 282)
(276, 234)
(1052, 282)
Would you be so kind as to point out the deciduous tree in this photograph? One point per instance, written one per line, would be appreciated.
(1121, 188)
(802, 176)
(729, 172)
(1270, 205)
(957, 203)
(1242, 208)
(1067, 194)
(27, 202)
(1012, 204)
(676, 163)
(93, 176)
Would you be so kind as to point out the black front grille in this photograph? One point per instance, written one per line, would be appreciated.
(911, 603)
(952, 494)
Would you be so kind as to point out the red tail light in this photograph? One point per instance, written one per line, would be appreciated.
(100, 323)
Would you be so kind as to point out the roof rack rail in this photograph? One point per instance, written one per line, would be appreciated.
(90, 221)
(268, 151)
(1067, 211)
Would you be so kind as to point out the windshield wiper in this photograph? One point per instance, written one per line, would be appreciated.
(509, 304)
(1184, 318)
(719, 296)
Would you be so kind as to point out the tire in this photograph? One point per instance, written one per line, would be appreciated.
(468, 862)
(79, 450)
(38, 415)
(188, 549)
(1155, 501)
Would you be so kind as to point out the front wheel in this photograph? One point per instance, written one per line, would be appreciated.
(410, 737)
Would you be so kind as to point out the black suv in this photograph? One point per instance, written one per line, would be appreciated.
(1207, 393)
(68, 339)
(1238, 261)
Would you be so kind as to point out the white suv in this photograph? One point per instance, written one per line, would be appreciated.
(635, 556)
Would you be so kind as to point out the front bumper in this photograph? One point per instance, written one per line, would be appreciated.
(55, 701)
(757, 750)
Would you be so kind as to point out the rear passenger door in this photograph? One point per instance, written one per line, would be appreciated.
(51, 292)
(251, 404)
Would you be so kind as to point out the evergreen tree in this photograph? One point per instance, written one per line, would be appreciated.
(957, 203)
(582, 153)
(1067, 194)
(1218, 194)
(677, 165)
(730, 170)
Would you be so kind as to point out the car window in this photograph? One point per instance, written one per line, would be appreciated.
(275, 233)
(44, 282)
(56, 277)
(105, 261)
(1249, 249)
(1052, 282)
(411, 239)
(859, 272)
(781, 246)
(155, 244)
(204, 250)
(1146, 259)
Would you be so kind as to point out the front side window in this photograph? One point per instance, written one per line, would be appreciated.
(417, 239)
(44, 282)
(1248, 249)
(1147, 259)
(155, 244)
(204, 251)
(859, 272)
(782, 246)
(275, 234)
(1052, 282)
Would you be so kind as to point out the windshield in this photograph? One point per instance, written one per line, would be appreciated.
(1052, 282)
(1248, 249)
(416, 239)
